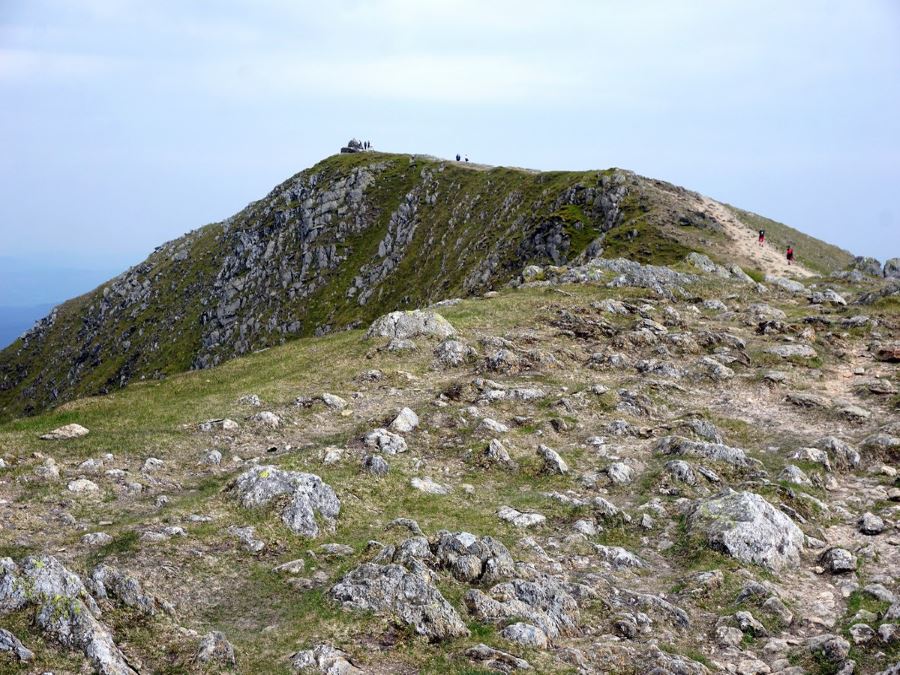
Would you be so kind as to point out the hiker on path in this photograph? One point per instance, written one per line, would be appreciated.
(790, 255)
(457, 156)
(762, 237)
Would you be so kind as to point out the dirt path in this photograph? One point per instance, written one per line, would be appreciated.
(746, 246)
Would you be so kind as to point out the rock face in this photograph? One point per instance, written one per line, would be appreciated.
(307, 496)
(409, 597)
(408, 325)
(747, 527)
(64, 609)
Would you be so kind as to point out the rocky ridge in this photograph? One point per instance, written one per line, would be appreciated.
(340, 244)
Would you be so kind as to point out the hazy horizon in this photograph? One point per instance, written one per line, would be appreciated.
(130, 123)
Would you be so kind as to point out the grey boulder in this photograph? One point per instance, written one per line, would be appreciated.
(407, 325)
(407, 596)
(306, 497)
(747, 527)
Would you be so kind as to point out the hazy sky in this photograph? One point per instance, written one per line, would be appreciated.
(125, 123)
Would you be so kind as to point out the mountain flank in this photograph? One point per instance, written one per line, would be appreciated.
(351, 238)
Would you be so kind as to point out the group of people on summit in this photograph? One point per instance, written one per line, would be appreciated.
(790, 249)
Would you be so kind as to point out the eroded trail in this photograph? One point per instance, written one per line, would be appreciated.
(746, 245)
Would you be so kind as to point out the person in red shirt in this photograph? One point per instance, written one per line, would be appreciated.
(790, 255)
(762, 237)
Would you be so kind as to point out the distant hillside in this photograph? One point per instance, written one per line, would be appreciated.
(335, 246)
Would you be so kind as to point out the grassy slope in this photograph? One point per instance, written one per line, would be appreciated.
(224, 588)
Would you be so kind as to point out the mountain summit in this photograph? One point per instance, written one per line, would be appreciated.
(358, 235)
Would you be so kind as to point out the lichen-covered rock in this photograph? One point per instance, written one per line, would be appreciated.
(307, 496)
(518, 518)
(892, 268)
(843, 455)
(107, 582)
(790, 351)
(787, 284)
(747, 527)
(471, 558)
(65, 611)
(375, 465)
(407, 596)
(405, 421)
(543, 602)
(429, 486)
(496, 660)
(453, 353)
(406, 325)
(838, 560)
(553, 463)
(526, 635)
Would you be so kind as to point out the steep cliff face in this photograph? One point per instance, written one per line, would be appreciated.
(335, 246)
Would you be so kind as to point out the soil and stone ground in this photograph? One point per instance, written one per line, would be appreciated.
(607, 468)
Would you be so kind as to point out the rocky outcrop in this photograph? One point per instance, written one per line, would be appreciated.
(64, 610)
(747, 527)
(305, 497)
(409, 597)
(542, 602)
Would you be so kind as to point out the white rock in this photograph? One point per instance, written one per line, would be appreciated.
(83, 486)
(385, 441)
(553, 463)
(518, 518)
(405, 421)
(428, 486)
(267, 418)
(66, 432)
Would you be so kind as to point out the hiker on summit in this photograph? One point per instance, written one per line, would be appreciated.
(762, 237)
(790, 255)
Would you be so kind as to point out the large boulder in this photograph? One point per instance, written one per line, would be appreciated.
(407, 325)
(306, 496)
(410, 597)
(747, 527)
